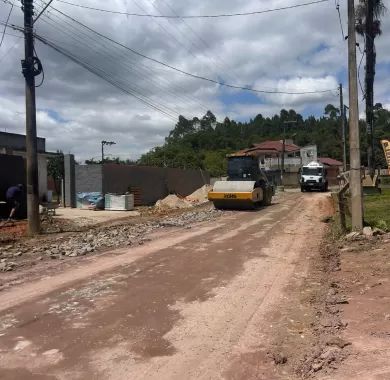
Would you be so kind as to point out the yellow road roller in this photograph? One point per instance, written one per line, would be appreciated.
(246, 187)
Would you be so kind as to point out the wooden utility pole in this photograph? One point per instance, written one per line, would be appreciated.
(354, 143)
(369, 81)
(342, 118)
(29, 72)
(288, 122)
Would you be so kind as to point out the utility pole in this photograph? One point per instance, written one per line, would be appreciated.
(369, 80)
(354, 143)
(345, 137)
(288, 122)
(29, 72)
(104, 142)
(342, 118)
(282, 161)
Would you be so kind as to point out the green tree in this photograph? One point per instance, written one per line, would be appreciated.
(368, 25)
(331, 111)
(55, 170)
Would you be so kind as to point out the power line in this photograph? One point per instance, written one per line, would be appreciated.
(178, 38)
(96, 46)
(13, 35)
(103, 75)
(104, 68)
(194, 16)
(6, 24)
(213, 57)
(190, 74)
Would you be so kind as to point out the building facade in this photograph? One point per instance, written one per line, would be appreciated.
(13, 144)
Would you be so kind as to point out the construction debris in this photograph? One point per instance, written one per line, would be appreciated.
(171, 202)
(98, 238)
(199, 196)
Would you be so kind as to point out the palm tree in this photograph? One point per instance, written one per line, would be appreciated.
(368, 25)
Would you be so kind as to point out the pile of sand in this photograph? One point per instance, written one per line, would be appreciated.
(200, 195)
(172, 201)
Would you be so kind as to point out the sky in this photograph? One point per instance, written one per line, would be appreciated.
(293, 50)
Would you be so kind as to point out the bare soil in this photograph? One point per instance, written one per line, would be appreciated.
(364, 280)
(251, 295)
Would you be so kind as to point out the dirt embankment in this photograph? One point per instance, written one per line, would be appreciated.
(364, 280)
(341, 312)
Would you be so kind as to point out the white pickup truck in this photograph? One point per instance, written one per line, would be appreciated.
(313, 177)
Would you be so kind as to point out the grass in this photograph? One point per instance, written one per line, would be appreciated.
(377, 210)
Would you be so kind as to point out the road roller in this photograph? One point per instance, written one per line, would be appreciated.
(246, 187)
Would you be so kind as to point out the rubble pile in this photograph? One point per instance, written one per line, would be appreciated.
(172, 202)
(200, 195)
(89, 241)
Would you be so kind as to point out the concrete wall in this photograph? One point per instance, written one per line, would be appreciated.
(42, 171)
(42, 175)
(89, 178)
(154, 182)
(289, 178)
(69, 181)
(13, 141)
(12, 172)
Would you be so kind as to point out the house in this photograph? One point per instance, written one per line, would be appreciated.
(13, 155)
(270, 155)
(330, 162)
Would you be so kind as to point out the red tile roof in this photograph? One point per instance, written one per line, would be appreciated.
(268, 147)
(277, 145)
(329, 161)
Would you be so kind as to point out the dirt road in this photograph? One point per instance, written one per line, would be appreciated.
(195, 303)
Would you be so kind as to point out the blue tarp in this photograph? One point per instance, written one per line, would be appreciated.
(90, 200)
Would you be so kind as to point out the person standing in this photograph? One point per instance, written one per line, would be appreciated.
(14, 196)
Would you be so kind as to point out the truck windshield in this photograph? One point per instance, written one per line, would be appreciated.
(311, 171)
(242, 168)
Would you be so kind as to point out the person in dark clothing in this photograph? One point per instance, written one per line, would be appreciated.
(14, 196)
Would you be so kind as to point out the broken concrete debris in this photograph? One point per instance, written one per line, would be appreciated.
(104, 237)
(173, 201)
(200, 195)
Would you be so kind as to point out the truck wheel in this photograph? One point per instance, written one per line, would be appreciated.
(302, 189)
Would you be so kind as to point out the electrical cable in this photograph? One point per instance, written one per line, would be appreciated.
(101, 75)
(99, 43)
(198, 46)
(106, 76)
(43, 72)
(190, 74)
(194, 16)
(115, 61)
(13, 35)
(98, 72)
(177, 39)
(167, 31)
(6, 24)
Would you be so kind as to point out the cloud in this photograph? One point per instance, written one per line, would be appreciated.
(300, 49)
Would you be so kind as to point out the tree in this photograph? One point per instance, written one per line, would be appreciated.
(368, 14)
(55, 170)
(331, 111)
